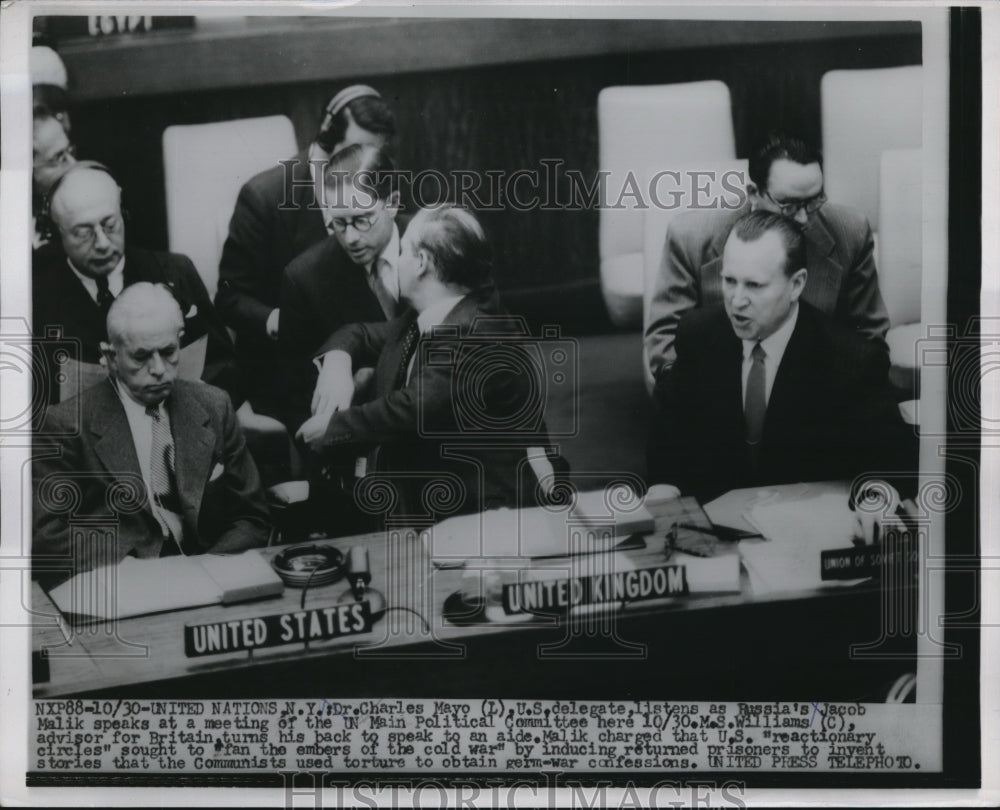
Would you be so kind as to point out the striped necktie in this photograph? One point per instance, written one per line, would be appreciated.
(163, 482)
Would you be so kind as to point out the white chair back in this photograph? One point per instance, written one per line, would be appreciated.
(204, 166)
(639, 127)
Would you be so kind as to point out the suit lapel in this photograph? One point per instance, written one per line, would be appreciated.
(113, 442)
(348, 285)
(194, 442)
(825, 270)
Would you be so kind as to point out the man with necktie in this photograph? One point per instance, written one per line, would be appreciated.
(74, 286)
(768, 390)
(351, 276)
(168, 451)
(449, 400)
(276, 218)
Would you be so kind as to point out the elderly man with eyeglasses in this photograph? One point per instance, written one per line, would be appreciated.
(74, 285)
(786, 177)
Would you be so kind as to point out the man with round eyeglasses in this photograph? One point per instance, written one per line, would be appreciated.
(74, 285)
(786, 177)
(350, 277)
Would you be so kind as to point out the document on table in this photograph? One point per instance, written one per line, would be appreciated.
(136, 587)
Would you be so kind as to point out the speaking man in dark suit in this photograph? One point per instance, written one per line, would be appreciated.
(448, 399)
(171, 449)
(786, 176)
(278, 215)
(351, 276)
(767, 389)
(73, 288)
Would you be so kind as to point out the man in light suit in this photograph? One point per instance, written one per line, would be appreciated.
(73, 287)
(278, 216)
(767, 389)
(786, 176)
(437, 365)
(168, 451)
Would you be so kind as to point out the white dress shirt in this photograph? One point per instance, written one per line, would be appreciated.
(774, 346)
(116, 279)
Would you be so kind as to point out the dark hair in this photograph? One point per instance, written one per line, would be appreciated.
(369, 168)
(371, 113)
(753, 226)
(457, 244)
(780, 146)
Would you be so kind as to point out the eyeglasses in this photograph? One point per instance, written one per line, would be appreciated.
(87, 234)
(790, 209)
(63, 157)
(362, 223)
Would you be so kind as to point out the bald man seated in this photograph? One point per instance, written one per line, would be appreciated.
(74, 285)
(160, 460)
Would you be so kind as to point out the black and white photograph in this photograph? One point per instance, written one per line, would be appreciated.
(483, 405)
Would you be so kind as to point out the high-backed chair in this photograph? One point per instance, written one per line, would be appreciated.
(204, 167)
(640, 127)
(701, 184)
(866, 112)
(900, 262)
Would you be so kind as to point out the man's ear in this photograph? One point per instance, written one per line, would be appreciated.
(798, 279)
(425, 263)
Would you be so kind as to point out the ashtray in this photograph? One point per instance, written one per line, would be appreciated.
(309, 563)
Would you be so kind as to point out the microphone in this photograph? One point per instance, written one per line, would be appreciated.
(359, 576)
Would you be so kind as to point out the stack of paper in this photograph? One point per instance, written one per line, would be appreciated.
(795, 533)
(136, 587)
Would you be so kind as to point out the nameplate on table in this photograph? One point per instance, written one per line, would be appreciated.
(863, 562)
(294, 627)
(554, 595)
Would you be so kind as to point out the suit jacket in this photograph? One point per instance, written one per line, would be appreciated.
(321, 291)
(830, 414)
(60, 300)
(86, 442)
(431, 423)
(275, 219)
(840, 258)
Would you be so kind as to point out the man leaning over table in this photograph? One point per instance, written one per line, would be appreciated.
(200, 487)
(415, 421)
(766, 389)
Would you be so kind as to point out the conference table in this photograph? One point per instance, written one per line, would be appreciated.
(807, 641)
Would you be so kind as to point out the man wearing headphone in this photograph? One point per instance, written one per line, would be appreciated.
(277, 217)
(74, 287)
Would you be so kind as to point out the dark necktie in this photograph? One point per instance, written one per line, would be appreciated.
(755, 403)
(409, 347)
(104, 296)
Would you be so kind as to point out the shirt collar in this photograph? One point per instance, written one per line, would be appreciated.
(137, 408)
(774, 344)
(116, 278)
(436, 313)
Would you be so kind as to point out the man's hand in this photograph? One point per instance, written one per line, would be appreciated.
(335, 385)
(875, 511)
(313, 429)
(272, 324)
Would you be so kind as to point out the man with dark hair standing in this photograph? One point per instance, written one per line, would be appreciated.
(768, 390)
(415, 425)
(277, 217)
(786, 177)
(348, 277)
